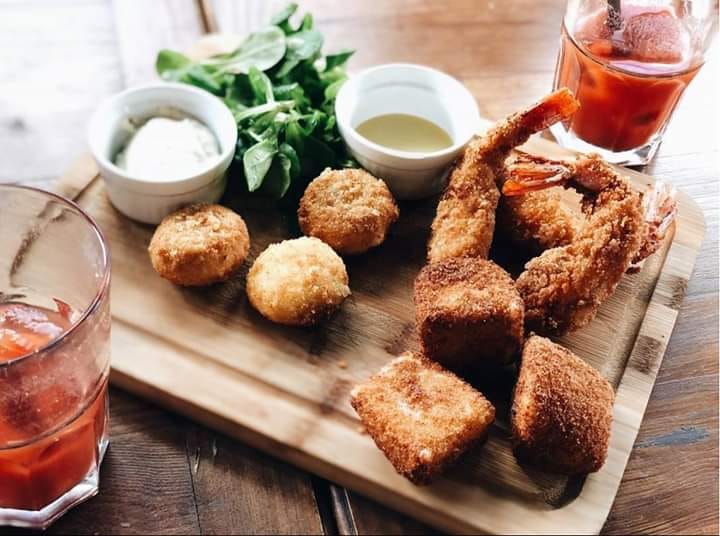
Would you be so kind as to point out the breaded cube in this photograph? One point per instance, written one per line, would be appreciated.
(562, 410)
(468, 313)
(199, 244)
(348, 209)
(297, 282)
(421, 416)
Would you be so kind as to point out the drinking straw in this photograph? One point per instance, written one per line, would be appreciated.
(614, 20)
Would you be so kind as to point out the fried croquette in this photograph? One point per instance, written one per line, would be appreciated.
(297, 282)
(562, 410)
(421, 416)
(199, 244)
(348, 209)
(468, 313)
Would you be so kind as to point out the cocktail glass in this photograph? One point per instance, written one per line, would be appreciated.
(54, 271)
(628, 62)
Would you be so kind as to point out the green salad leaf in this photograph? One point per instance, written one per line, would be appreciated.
(262, 50)
(281, 91)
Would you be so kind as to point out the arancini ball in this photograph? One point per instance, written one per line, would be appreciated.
(199, 244)
(348, 209)
(297, 282)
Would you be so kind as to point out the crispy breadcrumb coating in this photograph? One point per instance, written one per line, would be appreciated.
(562, 410)
(468, 313)
(297, 282)
(537, 221)
(199, 245)
(465, 218)
(421, 416)
(348, 209)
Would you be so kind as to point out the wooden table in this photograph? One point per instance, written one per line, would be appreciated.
(164, 474)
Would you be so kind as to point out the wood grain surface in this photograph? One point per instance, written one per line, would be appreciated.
(49, 52)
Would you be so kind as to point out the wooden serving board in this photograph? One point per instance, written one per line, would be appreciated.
(207, 354)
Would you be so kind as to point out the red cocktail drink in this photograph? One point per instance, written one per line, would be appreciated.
(54, 356)
(36, 473)
(628, 72)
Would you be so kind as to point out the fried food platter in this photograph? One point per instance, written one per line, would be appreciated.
(208, 354)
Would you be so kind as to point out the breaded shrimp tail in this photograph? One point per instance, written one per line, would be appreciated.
(518, 127)
(465, 219)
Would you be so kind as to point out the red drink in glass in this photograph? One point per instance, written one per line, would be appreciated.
(628, 75)
(34, 474)
(54, 356)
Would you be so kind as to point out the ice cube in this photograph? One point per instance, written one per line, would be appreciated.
(593, 26)
(654, 37)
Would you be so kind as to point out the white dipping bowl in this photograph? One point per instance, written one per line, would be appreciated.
(142, 198)
(407, 89)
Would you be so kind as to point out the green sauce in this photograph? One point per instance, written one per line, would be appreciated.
(405, 132)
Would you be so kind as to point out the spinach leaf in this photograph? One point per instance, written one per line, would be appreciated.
(301, 45)
(304, 44)
(168, 61)
(200, 76)
(283, 16)
(257, 161)
(331, 91)
(287, 150)
(295, 136)
(261, 85)
(277, 181)
(307, 22)
(262, 49)
(337, 60)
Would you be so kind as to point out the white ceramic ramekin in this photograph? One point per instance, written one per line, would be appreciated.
(409, 89)
(142, 198)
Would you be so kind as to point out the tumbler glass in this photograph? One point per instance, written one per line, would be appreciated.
(54, 355)
(628, 62)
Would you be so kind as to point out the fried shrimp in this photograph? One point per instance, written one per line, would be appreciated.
(562, 410)
(348, 209)
(465, 219)
(564, 286)
(421, 416)
(537, 220)
(199, 245)
(468, 313)
(297, 282)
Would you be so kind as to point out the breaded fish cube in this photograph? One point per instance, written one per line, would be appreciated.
(421, 416)
(348, 209)
(297, 282)
(562, 410)
(199, 244)
(468, 313)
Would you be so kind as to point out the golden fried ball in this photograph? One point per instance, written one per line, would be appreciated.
(199, 245)
(349, 209)
(297, 282)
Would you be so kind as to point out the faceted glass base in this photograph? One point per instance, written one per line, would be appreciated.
(633, 157)
(41, 519)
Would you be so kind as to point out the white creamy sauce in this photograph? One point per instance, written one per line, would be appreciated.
(164, 149)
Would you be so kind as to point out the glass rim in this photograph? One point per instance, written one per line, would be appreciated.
(102, 287)
(606, 65)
